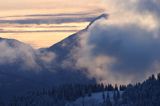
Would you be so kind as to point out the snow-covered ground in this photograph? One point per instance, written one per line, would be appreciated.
(94, 100)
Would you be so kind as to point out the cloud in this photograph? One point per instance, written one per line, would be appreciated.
(11, 51)
(52, 18)
(11, 31)
(77, 14)
(124, 48)
(47, 56)
(17, 53)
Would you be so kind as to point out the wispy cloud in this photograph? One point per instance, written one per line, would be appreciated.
(52, 18)
(15, 51)
(9, 31)
(86, 13)
(53, 22)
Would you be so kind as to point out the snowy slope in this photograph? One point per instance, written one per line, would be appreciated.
(96, 99)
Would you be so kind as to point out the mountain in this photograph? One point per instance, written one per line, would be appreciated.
(64, 47)
(23, 68)
(14, 74)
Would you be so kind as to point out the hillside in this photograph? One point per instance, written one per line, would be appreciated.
(23, 68)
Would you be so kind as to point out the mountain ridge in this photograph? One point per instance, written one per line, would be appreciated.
(18, 71)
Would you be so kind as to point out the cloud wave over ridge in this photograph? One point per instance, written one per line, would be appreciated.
(125, 47)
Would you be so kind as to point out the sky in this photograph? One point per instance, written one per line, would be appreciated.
(42, 23)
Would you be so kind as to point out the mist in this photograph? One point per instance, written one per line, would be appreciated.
(123, 48)
(15, 52)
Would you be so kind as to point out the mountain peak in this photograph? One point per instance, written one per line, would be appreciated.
(105, 16)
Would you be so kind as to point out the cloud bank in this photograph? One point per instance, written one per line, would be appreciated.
(18, 53)
(125, 47)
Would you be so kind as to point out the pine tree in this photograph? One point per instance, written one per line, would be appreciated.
(158, 76)
(108, 101)
(116, 88)
(103, 97)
